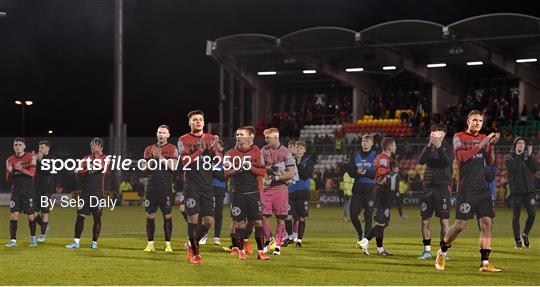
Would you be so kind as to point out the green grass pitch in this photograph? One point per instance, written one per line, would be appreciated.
(327, 258)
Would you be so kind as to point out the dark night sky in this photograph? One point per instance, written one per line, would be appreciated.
(59, 53)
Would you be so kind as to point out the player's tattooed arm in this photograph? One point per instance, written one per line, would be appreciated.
(258, 170)
(213, 147)
(462, 154)
(229, 171)
(172, 161)
(188, 154)
(291, 168)
(30, 170)
(104, 164)
(9, 170)
(291, 171)
(144, 161)
(256, 164)
(83, 170)
(381, 168)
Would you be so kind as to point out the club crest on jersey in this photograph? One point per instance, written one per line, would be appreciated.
(370, 203)
(424, 206)
(465, 207)
(235, 211)
(383, 162)
(11, 204)
(190, 202)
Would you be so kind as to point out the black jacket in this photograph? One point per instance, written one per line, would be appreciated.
(438, 164)
(305, 173)
(521, 169)
(362, 183)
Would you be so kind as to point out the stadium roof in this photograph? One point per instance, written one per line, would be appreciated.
(497, 40)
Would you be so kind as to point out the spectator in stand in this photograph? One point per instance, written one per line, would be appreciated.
(395, 180)
(125, 186)
(515, 107)
(523, 117)
(521, 166)
(319, 182)
(338, 144)
(329, 183)
(346, 185)
(535, 112)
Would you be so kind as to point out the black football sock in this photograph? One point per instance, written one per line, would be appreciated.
(167, 228)
(288, 227)
(426, 242)
(301, 229)
(44, 227)
(259, 238)
(192, 233)
(239, 234)
(379, 241)
(96, 229)
(380, 237)
(484, 254)
(375, 231)
(79, 226)
(150, 228)
(13, 229)
(32, 225)
(444, 246)
(234, 243)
